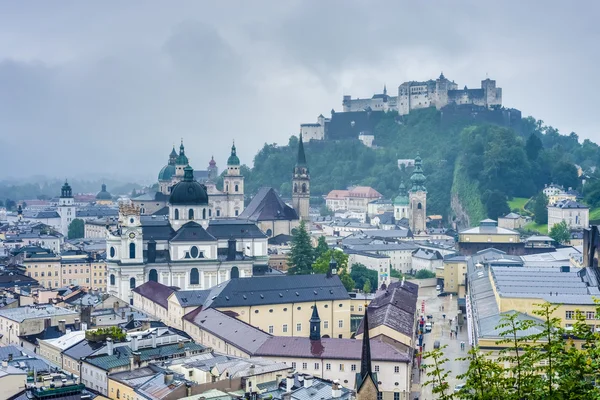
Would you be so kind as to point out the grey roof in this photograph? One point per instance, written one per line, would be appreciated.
(155, 291)
(512, 215)
(268, 206)
(192, 298)
(320, 389)
(488, 326)
(193, 232)
(231, 330)
(156, 228)
(97, 212)
(280, 239)
(568, 204)
(385, 247)
(44, 214)
(427, 254)
(83, 349)
(234, 228)
(20, 314)
(329, 348)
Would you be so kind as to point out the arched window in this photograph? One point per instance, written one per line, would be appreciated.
(226, 188)
(218, 212)
(194, 276)
(176, 214)
(210, 212)
(153, 275)
(191, 213)
(419, 206)
(194, 252)
(295, 188)
(237, 212)
(112, 252)
(304, 188)
(236, 188)
(204, 213)
(131, 250)
(112, 279)
(235, 272)
(132, 283)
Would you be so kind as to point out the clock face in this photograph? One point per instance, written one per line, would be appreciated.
(132, 235)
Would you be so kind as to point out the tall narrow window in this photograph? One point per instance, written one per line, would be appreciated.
(194, 276)
(132, 283)
(204, 213)
(236, 188)
(112, 279)
(176, 214)
(131, 250)
(304, 188)
(153, 275)
(191, 213)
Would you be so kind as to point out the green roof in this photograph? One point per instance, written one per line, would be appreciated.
(402, 198)
(233, 158)
(166, 173)
(418, 178)
(182, 159)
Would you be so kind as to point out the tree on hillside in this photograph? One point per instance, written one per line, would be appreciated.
(561, 233)
(424, 274)
(362, 275)
(533, 146)
(324, 211)
(10, 205)
(565, 174)
(321, 248)
(540, 209)
(301, 254)
(592, 192)
(76, 229)
(496, 204)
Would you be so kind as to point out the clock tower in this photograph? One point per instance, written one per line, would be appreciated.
(132, 244)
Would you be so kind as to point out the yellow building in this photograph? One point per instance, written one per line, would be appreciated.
(488, 235)
(43, 266)
(454, 273)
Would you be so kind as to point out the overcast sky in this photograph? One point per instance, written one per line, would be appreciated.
(107, 87)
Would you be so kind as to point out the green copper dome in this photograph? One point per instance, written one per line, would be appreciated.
(166, 173)
(181, 158)
(103, 194)
(402, 198)
(233, 158)
(188, 191)
(418, 178)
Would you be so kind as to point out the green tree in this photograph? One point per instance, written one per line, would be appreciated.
(76, 229)
(301, 254)
(394, 273)
(496, 204)
(592, 191)
(321, 248)
(321, 266)
(367, 286)
(540, 209)
(325, 211)
(533, 146)
(11, 205)
(437, 375)
(561, 233)
(565, 174)
(361, 275)
(424, 274)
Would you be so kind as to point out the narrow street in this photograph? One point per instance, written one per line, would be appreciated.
(441, 331)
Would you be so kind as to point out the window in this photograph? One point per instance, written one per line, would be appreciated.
(351, 308)
(112, 252)
(590, 314)
(298, 327)
(353, 367)
(237, 212)
(396, 395)
(569, 314)
(194, 275)
(218, 212)
(118, 394)
(236, 188)
(316, 366)
(341, 323)
(325, 324)
(341, 367)
(204, 213)
(131, 250)
(397, 369)
(304, 365)
(328, 367)
(112, 279)
(153, 275)
(293, 365)
(271, 329)
(284, 328)
(377, 368)
(176, 213)
(379, 395)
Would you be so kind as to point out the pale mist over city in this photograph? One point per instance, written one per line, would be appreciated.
(299, 199)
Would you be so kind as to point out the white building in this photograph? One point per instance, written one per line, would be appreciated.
(575, 214)
(428, 260)
(314, 131)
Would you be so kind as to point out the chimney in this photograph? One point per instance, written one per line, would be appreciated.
(188, 389)
(278, 379)
(168, 377)
(180, 344)
(62, 326)
(231, 244)
(153, 336)
(123, 314)
(308, 380)
(289, 383)
(135, 360)
(116, 306)
(336, 390)
(134, 343)
(301, 378)
(4, 364)
(77, 324)
(109, 346)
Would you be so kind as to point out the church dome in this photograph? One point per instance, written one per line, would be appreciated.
(188, 191)
(418, 178)
(166, 173)
(233, 158)
(103, 194)
(182, 158)
(402, 198)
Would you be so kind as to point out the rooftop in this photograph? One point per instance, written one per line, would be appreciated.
(67, 340)
(20, 314)
(155, 291)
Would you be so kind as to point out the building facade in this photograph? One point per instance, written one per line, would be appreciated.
(417, 199)
(575, 214)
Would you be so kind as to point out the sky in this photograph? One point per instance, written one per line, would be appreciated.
(106, 88)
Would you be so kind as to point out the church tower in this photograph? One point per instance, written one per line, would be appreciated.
(315, 324)
(417, 199)
(301, 184)
(66, 208)
(233, 186)
(366, 380)
(181, 162)
(401, 203)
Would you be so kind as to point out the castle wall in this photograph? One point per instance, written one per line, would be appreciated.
(312, 132)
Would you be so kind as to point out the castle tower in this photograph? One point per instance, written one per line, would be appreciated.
(366, 380)
(401, 203)
(417, 198)
(301, 184)
(66, 208)
(233, 186)
(315, 324)
(181, 162)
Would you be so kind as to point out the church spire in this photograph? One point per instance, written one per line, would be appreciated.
(384, 89)
(315, 324)
(301, 160)
(366, 372)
